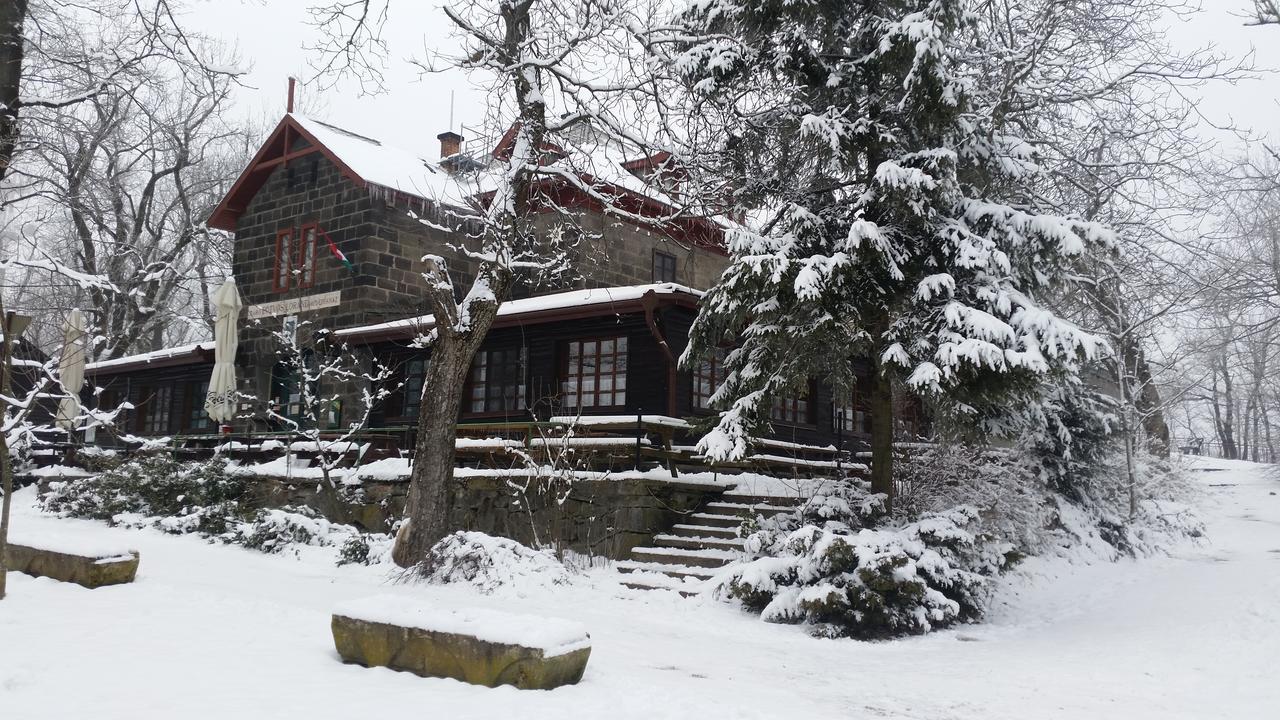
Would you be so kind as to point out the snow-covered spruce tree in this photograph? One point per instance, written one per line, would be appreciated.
(1068, 434)
(885, 216)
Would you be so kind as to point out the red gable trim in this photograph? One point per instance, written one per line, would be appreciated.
(275, 151)
(647, 163)
(502, 151)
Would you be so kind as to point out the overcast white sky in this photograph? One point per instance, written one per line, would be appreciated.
(272, 35)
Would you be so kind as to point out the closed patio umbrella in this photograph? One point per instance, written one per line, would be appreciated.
(221, 401)
(71, 370)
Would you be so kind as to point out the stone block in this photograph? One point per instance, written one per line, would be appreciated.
(83, 567)
(479, 647)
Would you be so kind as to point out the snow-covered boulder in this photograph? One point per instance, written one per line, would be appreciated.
(482, 647)
(68, 560)
(491, 563)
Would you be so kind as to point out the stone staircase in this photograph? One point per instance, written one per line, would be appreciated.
(695, 550)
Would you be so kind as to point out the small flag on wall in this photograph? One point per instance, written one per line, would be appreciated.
(333, 248)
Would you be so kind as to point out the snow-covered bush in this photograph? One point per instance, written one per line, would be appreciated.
(205, 499)
(181, 497)
(491, 563)
(1100, 522)
(1013, 504)
(869, 583)
(1019, 503)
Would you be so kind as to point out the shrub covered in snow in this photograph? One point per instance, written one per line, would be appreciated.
(179, 497)
(869, 583)
(491, 563)
(202, 498)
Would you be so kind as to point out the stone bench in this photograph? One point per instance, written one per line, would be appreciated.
(482, 647)
(78, 562)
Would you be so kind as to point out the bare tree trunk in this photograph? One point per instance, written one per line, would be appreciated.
(427, 510)
(1224, 421)
(6, 468)
(1266, 429)
(13, 15)
(1149, 405)
(880, 405)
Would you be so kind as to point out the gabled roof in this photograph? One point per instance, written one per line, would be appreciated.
(364, 160)
(374, 164)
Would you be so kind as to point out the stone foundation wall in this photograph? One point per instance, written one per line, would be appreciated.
(597, 517)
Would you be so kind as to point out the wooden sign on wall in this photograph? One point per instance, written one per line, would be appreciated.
(294, 306)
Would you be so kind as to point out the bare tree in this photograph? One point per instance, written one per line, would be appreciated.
(131, 173)
(327, 375)
(554, 111)
(1265, 12)
(111, 163)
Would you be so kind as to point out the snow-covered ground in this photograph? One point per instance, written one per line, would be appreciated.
(212, 631)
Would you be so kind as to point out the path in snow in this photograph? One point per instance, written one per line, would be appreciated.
(219, 632)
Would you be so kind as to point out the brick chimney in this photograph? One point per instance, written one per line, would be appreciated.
(450, 143)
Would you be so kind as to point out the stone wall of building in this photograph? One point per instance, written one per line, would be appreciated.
(599, 517)
(620, 253)
(386, 243)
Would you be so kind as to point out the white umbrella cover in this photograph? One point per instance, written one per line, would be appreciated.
(221, 401)
(71, 370)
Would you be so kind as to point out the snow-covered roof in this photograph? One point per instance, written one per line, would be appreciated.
(597, 167)
(513, 309)
(386, 165)
(193, 352)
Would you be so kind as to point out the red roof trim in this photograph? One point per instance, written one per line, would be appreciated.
(274, 151)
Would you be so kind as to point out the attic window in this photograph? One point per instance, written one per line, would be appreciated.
(284, 260)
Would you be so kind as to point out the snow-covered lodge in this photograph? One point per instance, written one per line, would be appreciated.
(331, 227)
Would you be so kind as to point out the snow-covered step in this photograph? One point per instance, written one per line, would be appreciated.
(678, 556)
(669, 569)
(709, 520)
(754, 499)
(697, 543)
(700, 530)
(740, 509)
(658, 581)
